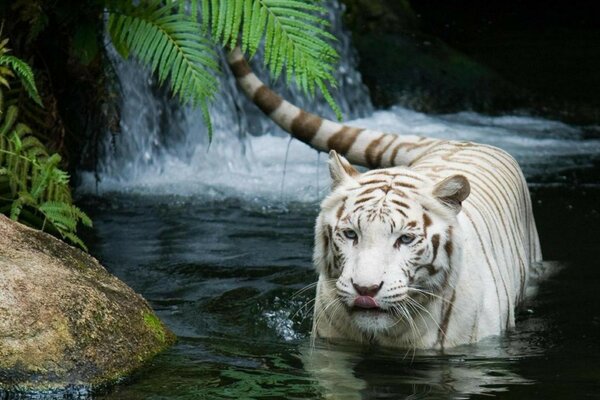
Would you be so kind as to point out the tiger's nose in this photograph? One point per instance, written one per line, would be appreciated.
(370, 291)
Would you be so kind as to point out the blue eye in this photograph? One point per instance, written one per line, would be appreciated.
(405, 239)
(350, 234)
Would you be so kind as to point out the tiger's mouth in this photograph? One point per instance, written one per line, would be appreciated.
(366, 304)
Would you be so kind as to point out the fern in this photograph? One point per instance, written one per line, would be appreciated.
(33, 189)
(29, 180)
(168, 41)
(11, 66)
(167, 37)
(294, 37)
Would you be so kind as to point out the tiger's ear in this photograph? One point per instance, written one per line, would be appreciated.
(452, 191)
(340, 169)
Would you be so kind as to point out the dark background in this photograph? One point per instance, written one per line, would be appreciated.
(551, 47)
(541, 57)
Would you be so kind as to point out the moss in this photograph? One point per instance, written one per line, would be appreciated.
(77, 325)
(153, 323)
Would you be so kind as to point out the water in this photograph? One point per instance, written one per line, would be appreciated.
(220, 240)
(223, 274)
(161, 143)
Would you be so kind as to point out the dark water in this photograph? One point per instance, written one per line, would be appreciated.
(223, 276)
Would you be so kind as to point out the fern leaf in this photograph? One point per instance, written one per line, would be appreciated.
(10, 117)
(219, 32)
(294, 35)
(25, 74)
(15, 209)
(170, 43)
(85, 220)
(73, 238)
(59, 214)
(32, 185)
(205, 13)
(194, 9)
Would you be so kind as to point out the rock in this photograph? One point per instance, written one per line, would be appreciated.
(65, 322)
(379, 16)
(424, 74)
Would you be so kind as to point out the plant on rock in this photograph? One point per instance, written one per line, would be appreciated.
(33, 189)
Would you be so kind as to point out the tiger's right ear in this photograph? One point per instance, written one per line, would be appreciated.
(452, 191)
(340, 169)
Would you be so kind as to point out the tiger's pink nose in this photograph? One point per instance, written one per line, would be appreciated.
(370, 291)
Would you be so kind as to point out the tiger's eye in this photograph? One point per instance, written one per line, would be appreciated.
(405, 239)
(350, 234)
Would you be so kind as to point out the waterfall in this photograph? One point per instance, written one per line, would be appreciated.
(162, 147)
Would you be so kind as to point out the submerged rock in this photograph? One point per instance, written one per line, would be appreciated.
(65, 322)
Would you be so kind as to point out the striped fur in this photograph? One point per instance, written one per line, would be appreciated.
(465, 205)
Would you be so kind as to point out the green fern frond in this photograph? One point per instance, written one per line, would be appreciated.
(15, 209)
(171, 44)
(33, 190)
(60, 214)
(23, 71)
(294, 35)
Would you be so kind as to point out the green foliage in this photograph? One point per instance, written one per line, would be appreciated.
(294, 36)
(11, 66)
(168, 38)
(153, 323)
(33, 189)
(170, 42)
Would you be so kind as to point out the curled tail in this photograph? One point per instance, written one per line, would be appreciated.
(373, 149)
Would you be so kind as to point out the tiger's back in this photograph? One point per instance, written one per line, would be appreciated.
(490, 236)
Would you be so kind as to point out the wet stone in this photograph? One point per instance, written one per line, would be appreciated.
(66, 324)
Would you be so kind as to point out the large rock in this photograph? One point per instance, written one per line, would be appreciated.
(65, 322)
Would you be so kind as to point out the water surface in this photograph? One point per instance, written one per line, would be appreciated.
(223, 275)
(219, 240)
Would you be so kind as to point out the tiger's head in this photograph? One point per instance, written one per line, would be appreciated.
(385, 240)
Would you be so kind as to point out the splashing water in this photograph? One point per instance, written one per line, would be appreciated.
(281, 318)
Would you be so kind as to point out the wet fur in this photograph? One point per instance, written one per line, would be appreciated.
(467, 203)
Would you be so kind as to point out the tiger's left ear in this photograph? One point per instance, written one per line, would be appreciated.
(452, 191)
(340, 169)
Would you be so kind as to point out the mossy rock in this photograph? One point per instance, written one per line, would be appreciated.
(66, 324)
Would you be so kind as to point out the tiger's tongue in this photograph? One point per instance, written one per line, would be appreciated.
(365, 302)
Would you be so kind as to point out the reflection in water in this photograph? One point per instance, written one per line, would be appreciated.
(223, 277)
(347, 372)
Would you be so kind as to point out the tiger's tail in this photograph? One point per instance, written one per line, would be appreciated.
(373, 149)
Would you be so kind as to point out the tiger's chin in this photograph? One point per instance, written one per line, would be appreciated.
(372, 320)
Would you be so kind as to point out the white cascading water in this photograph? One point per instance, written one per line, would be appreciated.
(163, 148)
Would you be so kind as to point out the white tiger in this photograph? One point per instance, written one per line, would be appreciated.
(433, 250)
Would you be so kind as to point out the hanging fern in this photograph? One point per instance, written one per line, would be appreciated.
(33, 189)
(294, 37)
(11, 66)
(170, 43)
(168, 38)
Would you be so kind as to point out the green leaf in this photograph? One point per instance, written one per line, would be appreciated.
(170, 43)
(33, 189)
(23, 71)
(295, 39)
